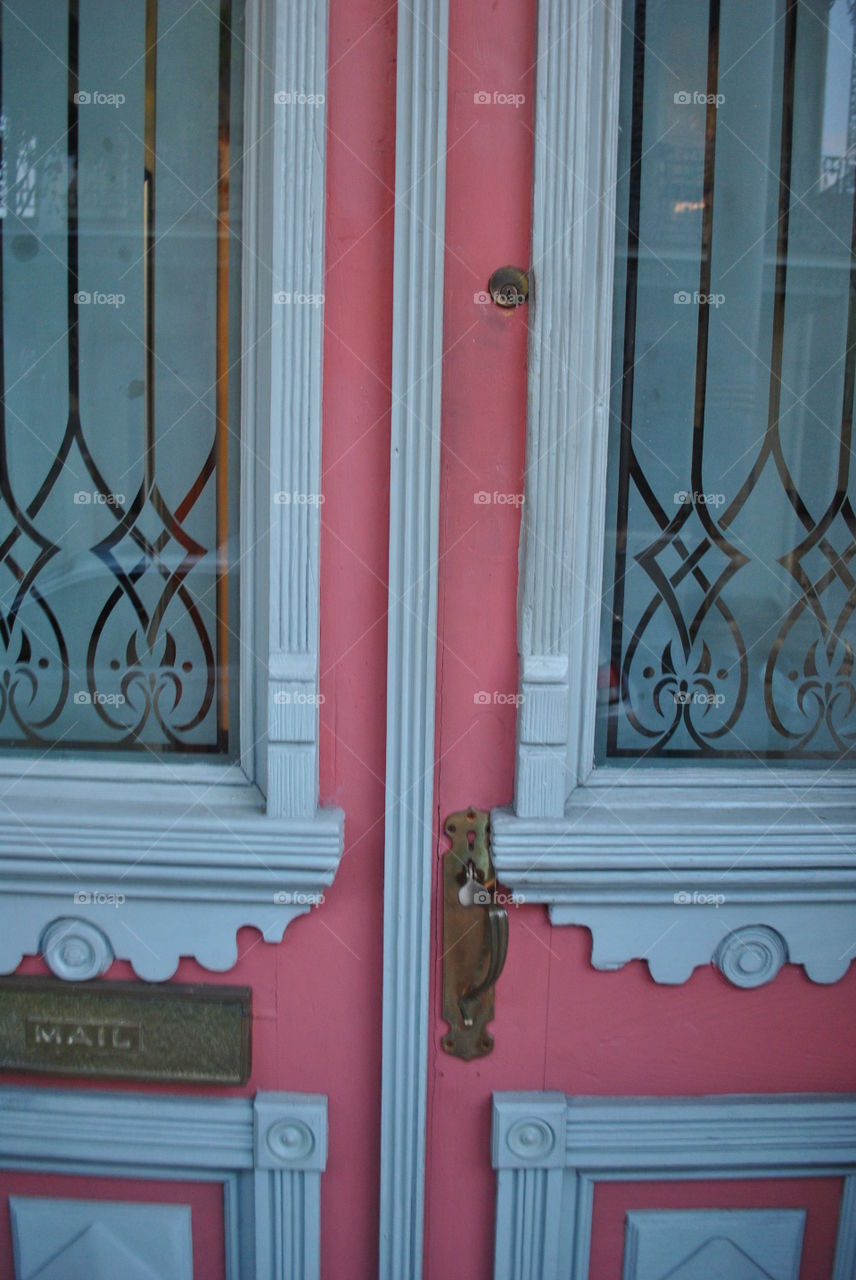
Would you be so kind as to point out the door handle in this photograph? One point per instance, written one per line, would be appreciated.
(475, 935)
(497, 920)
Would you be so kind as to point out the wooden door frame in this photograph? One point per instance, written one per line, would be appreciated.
(417, 352)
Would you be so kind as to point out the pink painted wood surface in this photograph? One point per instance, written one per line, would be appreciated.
(317, 997)
(559, 1024)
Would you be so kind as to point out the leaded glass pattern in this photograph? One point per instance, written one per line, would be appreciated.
(728, 625)
(120, 198)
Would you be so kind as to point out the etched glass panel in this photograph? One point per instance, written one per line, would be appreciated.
(120, 198)
(730, 580)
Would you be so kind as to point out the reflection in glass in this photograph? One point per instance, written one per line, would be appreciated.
(730, 575)
(120, 195)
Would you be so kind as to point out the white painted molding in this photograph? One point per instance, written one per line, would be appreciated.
(173, 859)
(173, 872)
(544, 1203)
(576, 117)
(285, 449)
(272, 1184)
(657, 875)
(609, 849)
(420, 184)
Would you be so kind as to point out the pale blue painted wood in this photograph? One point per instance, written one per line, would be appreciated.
(100, 1240)
(269, 1153)
(417, 357)
(714, 1244)
(845, 1250)
(550, 1151)
(240, 844)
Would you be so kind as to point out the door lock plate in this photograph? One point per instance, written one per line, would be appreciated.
(475, 935)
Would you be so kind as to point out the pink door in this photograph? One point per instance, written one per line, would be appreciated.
(630, 1112)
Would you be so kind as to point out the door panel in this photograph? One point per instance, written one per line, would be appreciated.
(559, 1025)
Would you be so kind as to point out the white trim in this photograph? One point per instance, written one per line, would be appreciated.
(269, 1152)
(199, 849)
(420, 172)
(550, 1151)
(609, 849)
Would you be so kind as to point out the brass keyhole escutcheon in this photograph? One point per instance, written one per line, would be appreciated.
(509, 287)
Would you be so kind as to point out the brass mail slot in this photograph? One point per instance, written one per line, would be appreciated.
(126, 1030)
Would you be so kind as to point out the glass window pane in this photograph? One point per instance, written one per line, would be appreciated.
(120, 200)
(729, 592)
